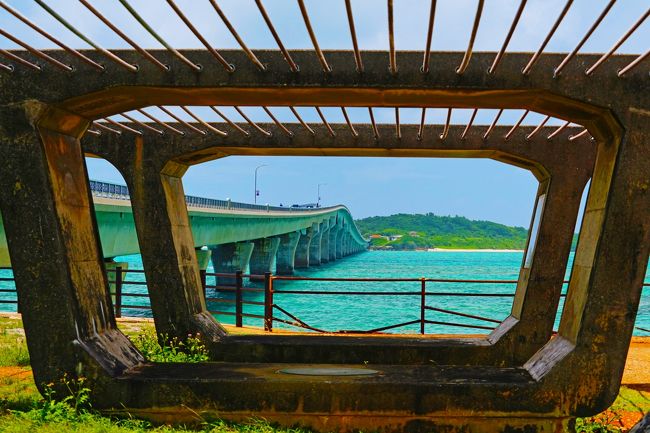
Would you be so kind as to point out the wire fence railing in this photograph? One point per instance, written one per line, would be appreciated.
(229, 295)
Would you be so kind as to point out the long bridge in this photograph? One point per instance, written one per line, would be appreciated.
(234, 235)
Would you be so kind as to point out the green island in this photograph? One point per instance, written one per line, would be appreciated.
(428, 231)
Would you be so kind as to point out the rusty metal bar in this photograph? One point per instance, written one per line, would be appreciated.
(347, 120)
(106, 128)
(251, 123)
(398, 130)
(634, 63)
(20, 60)
(427, 47)
(203, 122)
(469, 316)
(302, 122)
(312, 35)
(234, 33)
(550, 34)
(445, 130)
(204, 284)
(92, 131)
(277, 122)
(327, 125)
(468, 53)
(578, 135)
(558, 130)
(584, 39)
(34, 51)
(268, 302)
(384, 328)
(374, 125)
(66, 24)
(118, 291)
(422, 119)
(144, 125)
(45, 34)
(391, 40)
(423, 304)
(516, 125)
(618, 43)
(156, 36)
(537, 128)
(229, 122)
(269, 24)
(353, 35)
(124, 127)
(492, 125)
(298, 323)
(460, 325)
(513, 26)
(238, 299)
(121, 34)
(469, 124)
(181, 121)
(160, 122)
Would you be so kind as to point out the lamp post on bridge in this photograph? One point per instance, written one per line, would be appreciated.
(318, 200)
(256, 191)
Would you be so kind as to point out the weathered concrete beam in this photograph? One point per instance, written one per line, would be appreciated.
(286, 256)
(230, 258)
(263, 257)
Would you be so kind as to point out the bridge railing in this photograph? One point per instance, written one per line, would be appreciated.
(269, 303)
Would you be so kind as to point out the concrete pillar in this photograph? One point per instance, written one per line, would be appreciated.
(334, 234)
(340, 243)
(315, 246)
(263, 257)
(230, 258)
(303, 247)
(325, 246)
(286, 257)
(203, 258)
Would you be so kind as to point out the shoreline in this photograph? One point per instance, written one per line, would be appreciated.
(454, 250)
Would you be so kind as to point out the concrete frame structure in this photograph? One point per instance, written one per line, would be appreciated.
(520, 378)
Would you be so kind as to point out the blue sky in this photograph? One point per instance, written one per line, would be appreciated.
(478, 189)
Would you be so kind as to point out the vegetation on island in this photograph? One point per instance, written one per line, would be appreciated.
(425, 231)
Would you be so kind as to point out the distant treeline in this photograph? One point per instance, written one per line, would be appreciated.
(422, 231)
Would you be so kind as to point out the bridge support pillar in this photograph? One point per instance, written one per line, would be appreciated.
(230, 258)
(203, 258)
(303, 248)
(286, 256)
(340, 243)
(333, 241)
(263, 257)
(325, 244)
(315, 246)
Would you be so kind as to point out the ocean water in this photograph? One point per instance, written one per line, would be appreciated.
(362, 312)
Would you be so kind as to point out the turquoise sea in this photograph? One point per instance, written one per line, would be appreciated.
(347, 312)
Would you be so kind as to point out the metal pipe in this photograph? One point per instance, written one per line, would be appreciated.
(445, 130)
(20, 60)
(427, 48)
(121, 34)
(584, 39)
(327, 125)
(558, 130)
(160, 122)
(181, 121)
(234, 33)
(203, 122)
(618, 43)
(269, 24)
(156, 36)
(66, 24)
(422, 119)
(374, 125)
(537, 128)
(302, 122)
(7, 68)
(144, 125)
(469, 124)
(119, 125)
(633, 64)
(398, 130)
(251, 123)
(45, 34)
(312, 35)
(230, 122)
(34, 51)
(347, 120)
(492, 125)
(353, 35)
(93, 132)
(106, 128)
(468, 54)
(277, 122)
(513, 26)
(578, 135)
(391, 40)
(516, 125)
(538, 53)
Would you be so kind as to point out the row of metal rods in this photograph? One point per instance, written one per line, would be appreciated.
(312, 35)
(324, 121)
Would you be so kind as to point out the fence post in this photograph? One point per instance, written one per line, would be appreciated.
(423, 295)
(202, 274)
(268, 302)
(118, 291)
(238, 299)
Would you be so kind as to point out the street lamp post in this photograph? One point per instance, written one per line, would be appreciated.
(256, 191)
(318, 201)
